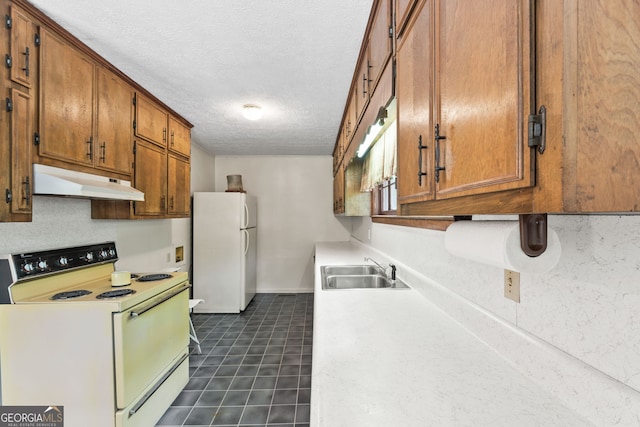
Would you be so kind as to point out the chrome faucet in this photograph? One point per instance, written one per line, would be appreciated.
(391, 266)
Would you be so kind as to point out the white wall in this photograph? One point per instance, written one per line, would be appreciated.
(587, 306)
(295, 200)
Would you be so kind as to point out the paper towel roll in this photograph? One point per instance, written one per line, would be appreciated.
(497, 243)
(120, 278)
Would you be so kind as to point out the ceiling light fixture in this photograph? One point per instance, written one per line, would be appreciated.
(251, 112)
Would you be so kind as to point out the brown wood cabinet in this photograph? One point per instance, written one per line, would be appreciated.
(589, 164)
(114, 115)
(403, 9)
(66, 101)
(414, 93)
(464, 130)
(150, 177)
(179, 137)
(85, 110)
(178, 185)
(22, 55)
(20, 39)
(151, 121)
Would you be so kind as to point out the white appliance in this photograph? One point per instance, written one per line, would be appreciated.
(224, 251)
(107, 356)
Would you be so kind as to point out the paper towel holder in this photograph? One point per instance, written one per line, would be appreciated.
(533, 234)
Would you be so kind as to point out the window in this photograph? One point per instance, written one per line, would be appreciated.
(387, 196)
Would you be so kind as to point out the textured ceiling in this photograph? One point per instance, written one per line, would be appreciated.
(207, 58)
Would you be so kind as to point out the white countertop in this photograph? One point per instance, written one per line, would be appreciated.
(392, 358)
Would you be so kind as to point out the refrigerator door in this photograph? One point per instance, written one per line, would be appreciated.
(218, 251)
(250, 211)
(250, 259)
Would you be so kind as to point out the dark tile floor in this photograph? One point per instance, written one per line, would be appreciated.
(255, 367)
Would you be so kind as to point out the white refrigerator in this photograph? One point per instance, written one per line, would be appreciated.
(224, 251)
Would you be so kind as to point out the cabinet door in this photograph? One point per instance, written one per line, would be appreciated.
(179, 176)
(379, 43)
(179, 137)
(66, 102)
(338, 191)
(151, 121)
(414, 91)
(21, 134)
(403, 11)
(483, 96)
(362, 86)
(23, 52)
(150, 177)
(114, 116)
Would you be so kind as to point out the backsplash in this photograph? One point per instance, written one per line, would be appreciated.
(145, 245)
(586, 306)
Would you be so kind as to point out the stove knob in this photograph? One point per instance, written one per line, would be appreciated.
(28, 267)
(42, 265)
(103, 254)
(63, 261)
(89, 256)
(112, 252)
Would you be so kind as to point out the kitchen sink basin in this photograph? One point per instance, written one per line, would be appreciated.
(357, 277)
(362, 282)
(341, 270)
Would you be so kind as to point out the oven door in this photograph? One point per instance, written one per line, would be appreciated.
(147, 340)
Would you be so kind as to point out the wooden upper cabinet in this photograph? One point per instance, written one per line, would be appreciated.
(380, 42)
(179, 137)
(114, 135)
(150, 177)
(402, 13)
(66, 101)
(178, 185)
(21, 142)
(414, 93)
(362, 86)
(151, 121)
(24, 40)
(483, 97)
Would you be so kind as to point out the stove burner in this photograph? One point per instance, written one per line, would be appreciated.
(154, 277)
(70, 294)
(116, 293)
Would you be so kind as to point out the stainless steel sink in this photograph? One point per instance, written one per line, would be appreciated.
(341, 270)
(357, 277)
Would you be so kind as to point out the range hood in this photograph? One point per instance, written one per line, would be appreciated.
(48, 180)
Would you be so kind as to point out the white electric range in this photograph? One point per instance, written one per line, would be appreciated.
(108, 355)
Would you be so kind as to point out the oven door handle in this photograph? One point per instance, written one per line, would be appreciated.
(157, 303)
(146, 397)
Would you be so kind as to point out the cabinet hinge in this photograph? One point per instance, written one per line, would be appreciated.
(9, 105)
(8, 61)
(134, 148)
(8, 22)
(8, 196)
(537, 130)
(134, 125)
(36, 138)
(134, 99)
(36, 40)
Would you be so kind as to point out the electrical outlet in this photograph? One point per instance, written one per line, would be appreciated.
(512, 285)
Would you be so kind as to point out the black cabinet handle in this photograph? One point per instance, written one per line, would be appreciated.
(26, 61)
(437, 138)
(420, 148)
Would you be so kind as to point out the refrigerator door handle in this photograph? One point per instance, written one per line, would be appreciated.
(246, 241)
(246, 216)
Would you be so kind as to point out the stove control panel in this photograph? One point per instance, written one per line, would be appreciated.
(32, 264)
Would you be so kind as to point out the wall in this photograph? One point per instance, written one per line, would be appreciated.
(295, 199)
(586, 306)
